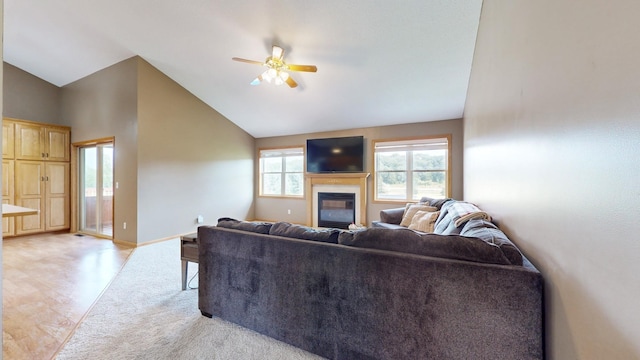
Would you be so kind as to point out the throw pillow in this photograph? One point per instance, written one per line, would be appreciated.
(424, 221)
(411, 210)
(408, 205)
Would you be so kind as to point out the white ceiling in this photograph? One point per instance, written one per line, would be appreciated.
(380, 62)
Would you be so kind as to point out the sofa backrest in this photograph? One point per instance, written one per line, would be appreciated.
(443, 246)
(479, 241)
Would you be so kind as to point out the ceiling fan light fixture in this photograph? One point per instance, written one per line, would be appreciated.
(277, 52)
(277, 69)
(281, 78)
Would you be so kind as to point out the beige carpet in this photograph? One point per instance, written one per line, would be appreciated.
(144, 314)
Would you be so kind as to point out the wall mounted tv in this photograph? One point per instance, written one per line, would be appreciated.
(339, 154)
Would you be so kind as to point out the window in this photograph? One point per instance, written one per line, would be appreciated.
(407, 170)
(281, 172)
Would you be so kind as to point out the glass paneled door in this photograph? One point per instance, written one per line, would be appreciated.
(96, 189)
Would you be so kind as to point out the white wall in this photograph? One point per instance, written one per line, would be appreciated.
(552, 142)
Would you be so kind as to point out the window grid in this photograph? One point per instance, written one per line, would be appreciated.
(281, 172)
(403, 177)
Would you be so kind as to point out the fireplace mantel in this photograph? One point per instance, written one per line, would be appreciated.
(341, 179)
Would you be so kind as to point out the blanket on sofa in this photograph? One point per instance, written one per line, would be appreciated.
(454, 214)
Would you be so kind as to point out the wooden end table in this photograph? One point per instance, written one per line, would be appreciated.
(188, 253)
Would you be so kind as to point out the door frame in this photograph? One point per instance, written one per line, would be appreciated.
(75, 173)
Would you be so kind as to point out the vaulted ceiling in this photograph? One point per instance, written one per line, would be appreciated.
(379, 62)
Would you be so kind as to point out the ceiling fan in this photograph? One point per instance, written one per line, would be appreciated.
(277, 69)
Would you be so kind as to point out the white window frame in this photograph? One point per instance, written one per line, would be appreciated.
(440, 142)
(283, 153)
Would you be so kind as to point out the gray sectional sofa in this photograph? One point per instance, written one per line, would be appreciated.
(377, 293)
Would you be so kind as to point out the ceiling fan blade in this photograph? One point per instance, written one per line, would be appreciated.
(292, 83)
(247, 61)
(277, 52)
(307, 68)
(257, 80)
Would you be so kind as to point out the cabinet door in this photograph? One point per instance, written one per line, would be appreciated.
(29, 193)
(7, 179)
(57, 144)
(29, 139)
(56, 196)
(8, 223)
(8, 139)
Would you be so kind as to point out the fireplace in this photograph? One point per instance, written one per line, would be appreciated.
(349, 183)
(336, 210)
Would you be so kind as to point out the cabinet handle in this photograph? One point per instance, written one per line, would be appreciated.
(47, 178)
(41, 178)
(43, 155)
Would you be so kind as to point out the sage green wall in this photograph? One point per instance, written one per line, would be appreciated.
(277, 208)
(101, 105)
(191, 160)
(28, 97)
(552, 141)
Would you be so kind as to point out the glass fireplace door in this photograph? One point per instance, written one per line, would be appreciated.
(336, 210)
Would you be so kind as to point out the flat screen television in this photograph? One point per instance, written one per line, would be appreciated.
(339, 154)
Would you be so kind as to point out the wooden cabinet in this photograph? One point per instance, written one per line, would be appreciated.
(37, 142)
(8, 223)
(30, 194)
(36, 173)
(56, 200)
(57, 143)
(44, 186)
(8, 143)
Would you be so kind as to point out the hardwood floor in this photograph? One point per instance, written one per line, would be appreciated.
(50, 282)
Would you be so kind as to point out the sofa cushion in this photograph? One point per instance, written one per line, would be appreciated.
(490, 233)
(411, 210)
(387, 225)
(304, 232)
(392, 216)
(424, 221)
(256, 227)
(443, 246)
